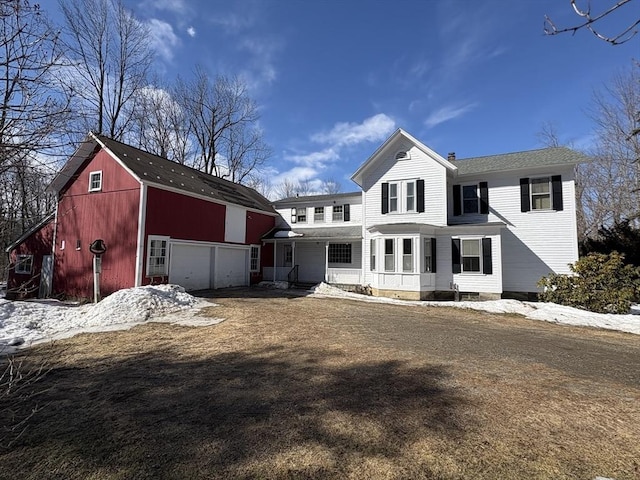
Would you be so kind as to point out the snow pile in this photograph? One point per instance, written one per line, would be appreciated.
(275, 285)
(548, 312)
(32, 322)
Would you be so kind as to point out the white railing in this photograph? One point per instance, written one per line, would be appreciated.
(349, 276)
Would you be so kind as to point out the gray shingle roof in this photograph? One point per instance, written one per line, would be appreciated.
(329, 233)
(513, 161)
(314, 198)
(154, 169)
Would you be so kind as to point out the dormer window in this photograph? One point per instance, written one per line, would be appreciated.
(402, 155)
(95, 181)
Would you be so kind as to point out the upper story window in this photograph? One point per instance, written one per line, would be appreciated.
(471, 198)
(541, 193)
(302, 215)
(410, 197)
(24, 264)
(95, 181)
(338, 213)
(318, 214)
(406, 196)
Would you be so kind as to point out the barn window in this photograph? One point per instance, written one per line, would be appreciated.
(95, 181)
(24, 264)
(255, 258)
(158, 256)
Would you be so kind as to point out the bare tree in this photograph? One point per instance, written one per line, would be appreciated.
(32, 115)
(109, 55)
(589, 19)
(161, 126)
(331, 186)
(612, 180)
(223, 124)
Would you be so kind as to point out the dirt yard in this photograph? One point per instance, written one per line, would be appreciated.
(297, 387)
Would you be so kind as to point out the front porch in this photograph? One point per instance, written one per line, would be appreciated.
(316, 255)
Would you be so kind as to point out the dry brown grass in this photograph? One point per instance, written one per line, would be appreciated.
(302, 388)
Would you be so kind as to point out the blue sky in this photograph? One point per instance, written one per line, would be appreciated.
(334, 78)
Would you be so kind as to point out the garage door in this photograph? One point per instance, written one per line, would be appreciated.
(190, 266)
(231, 267)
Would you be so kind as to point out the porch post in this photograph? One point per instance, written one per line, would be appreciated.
(293, 254)
(326, 262)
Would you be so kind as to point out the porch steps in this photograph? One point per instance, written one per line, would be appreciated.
(302, 285)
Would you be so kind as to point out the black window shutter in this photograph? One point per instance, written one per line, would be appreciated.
(556, 187)
(420, 187)
(487, 265)
(525, 205)
(484, 198)
(455, 255)
(433, 255)
(385, 198)
(346, 212)
(457, 206)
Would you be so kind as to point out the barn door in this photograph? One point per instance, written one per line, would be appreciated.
(46, 276)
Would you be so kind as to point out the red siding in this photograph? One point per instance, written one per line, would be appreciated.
(257, 225)
(112, 215)
(37, 244)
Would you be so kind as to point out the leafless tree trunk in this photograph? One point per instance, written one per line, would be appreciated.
(109, 55)
(223, 125)
(32, 116)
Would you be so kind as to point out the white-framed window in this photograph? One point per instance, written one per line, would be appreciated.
(254, 259)
(288, 255)
(339, 253)
(427, 265)
(407, 255)
(318, 214)
(541, 193)
(157, 256)
(372, 254)
(410, 196)
(470, 199)
(393, 197)
(471, 255)
(302, 215)
(24, 264)
(338, 213)
(389, 255)
(95, 181)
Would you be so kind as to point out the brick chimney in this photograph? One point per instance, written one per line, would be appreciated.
(451, 156)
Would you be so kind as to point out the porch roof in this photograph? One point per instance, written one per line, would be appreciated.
(322, 233)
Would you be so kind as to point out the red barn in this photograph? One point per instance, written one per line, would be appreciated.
(161, 222)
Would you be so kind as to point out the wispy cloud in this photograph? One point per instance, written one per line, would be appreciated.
(315, 158)
(191, 31)
(234, 23)
(262, 51)
(163, 38)
(372, 129)
(296, 175)
(174, 6)
(448, 112)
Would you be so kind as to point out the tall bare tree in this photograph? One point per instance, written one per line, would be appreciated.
(223, 122)
(589, 19)
(612, 180)
(109, 54)
(31, 115)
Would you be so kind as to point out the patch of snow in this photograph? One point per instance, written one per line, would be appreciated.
(286, 234)
(548, 312)
(25, 323)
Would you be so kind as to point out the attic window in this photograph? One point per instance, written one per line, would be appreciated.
(402, 155)
(95, 181)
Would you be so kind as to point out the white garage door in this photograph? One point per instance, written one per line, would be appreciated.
(231, 267)
(190, 266)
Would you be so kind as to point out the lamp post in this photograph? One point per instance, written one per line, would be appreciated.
(98, 248)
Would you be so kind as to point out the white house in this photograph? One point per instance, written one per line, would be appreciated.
(423, 226)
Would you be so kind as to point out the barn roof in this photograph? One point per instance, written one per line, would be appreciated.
(155, 170)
